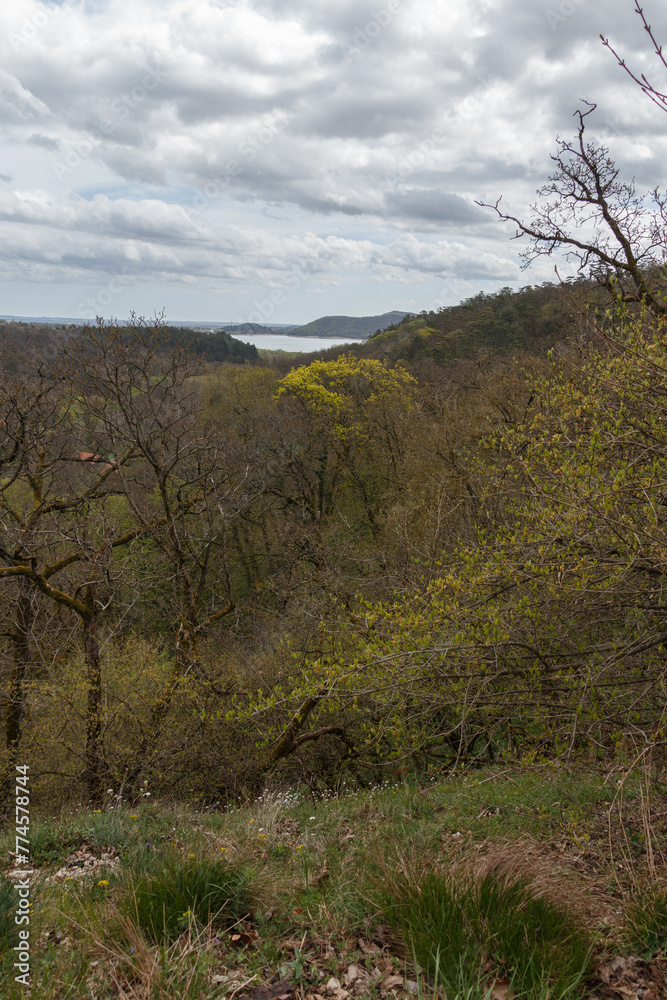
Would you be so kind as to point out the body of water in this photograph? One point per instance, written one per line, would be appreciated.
(304, 345)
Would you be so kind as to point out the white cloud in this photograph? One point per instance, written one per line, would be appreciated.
(223, 143)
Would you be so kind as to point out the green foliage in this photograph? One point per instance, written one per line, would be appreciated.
(176, 891)
(530, 319)
(455, 929)
(217, 346)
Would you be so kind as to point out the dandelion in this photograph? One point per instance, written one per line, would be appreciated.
(103, 882)
(252, 821)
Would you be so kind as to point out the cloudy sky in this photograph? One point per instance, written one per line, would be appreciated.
(287, 159)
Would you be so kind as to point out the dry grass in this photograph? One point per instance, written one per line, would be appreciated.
(545, 874)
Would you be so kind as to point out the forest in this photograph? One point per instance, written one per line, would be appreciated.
(216, 575)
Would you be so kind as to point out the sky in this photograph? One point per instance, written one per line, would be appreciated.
(279, 160)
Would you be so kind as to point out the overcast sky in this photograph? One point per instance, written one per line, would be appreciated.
(233, 159)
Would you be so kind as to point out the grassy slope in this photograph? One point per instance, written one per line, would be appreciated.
(314, 872)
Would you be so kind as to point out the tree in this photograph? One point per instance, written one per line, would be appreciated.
(546, 629)
(656, 96)
(60, 529)
(181, 486)
(595, 218)
(355, 408)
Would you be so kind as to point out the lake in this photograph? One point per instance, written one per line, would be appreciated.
(304, 345)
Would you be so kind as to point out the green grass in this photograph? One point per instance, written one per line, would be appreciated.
(647, 923)
(177, 891)
(303, 870)
(51, 841)
(8, 904)
(455, 929)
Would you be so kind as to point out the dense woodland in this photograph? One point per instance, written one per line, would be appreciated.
(444, 546)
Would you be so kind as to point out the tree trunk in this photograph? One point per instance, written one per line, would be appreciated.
(25, 614)
(291, 739)
(94, 769)
(186, 656)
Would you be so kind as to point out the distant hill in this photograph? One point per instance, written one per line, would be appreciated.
(253, 329)
(359, 327)
(216, 346)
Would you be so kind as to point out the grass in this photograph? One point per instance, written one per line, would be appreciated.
(456, 925)
(647, 922)
(150, 913)
(166, 900)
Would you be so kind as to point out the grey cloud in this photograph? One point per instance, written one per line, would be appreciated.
(434, 206)
(43, 142)
(443, 104)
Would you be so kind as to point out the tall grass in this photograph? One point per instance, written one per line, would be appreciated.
(647, 923)
(176, 892)
(456, 929)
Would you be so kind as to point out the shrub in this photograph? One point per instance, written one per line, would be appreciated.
(175, 891)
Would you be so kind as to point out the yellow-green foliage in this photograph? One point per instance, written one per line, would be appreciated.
(346, 395)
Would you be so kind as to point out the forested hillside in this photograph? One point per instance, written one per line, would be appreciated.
(347, 326)
(533, 319)
(25, 345)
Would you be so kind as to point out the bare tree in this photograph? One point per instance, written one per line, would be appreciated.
(598, 220)
(58, 533)
(593, 217)
(652, 92)
(181, 487)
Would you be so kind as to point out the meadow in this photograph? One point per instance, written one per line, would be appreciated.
(495, 883)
